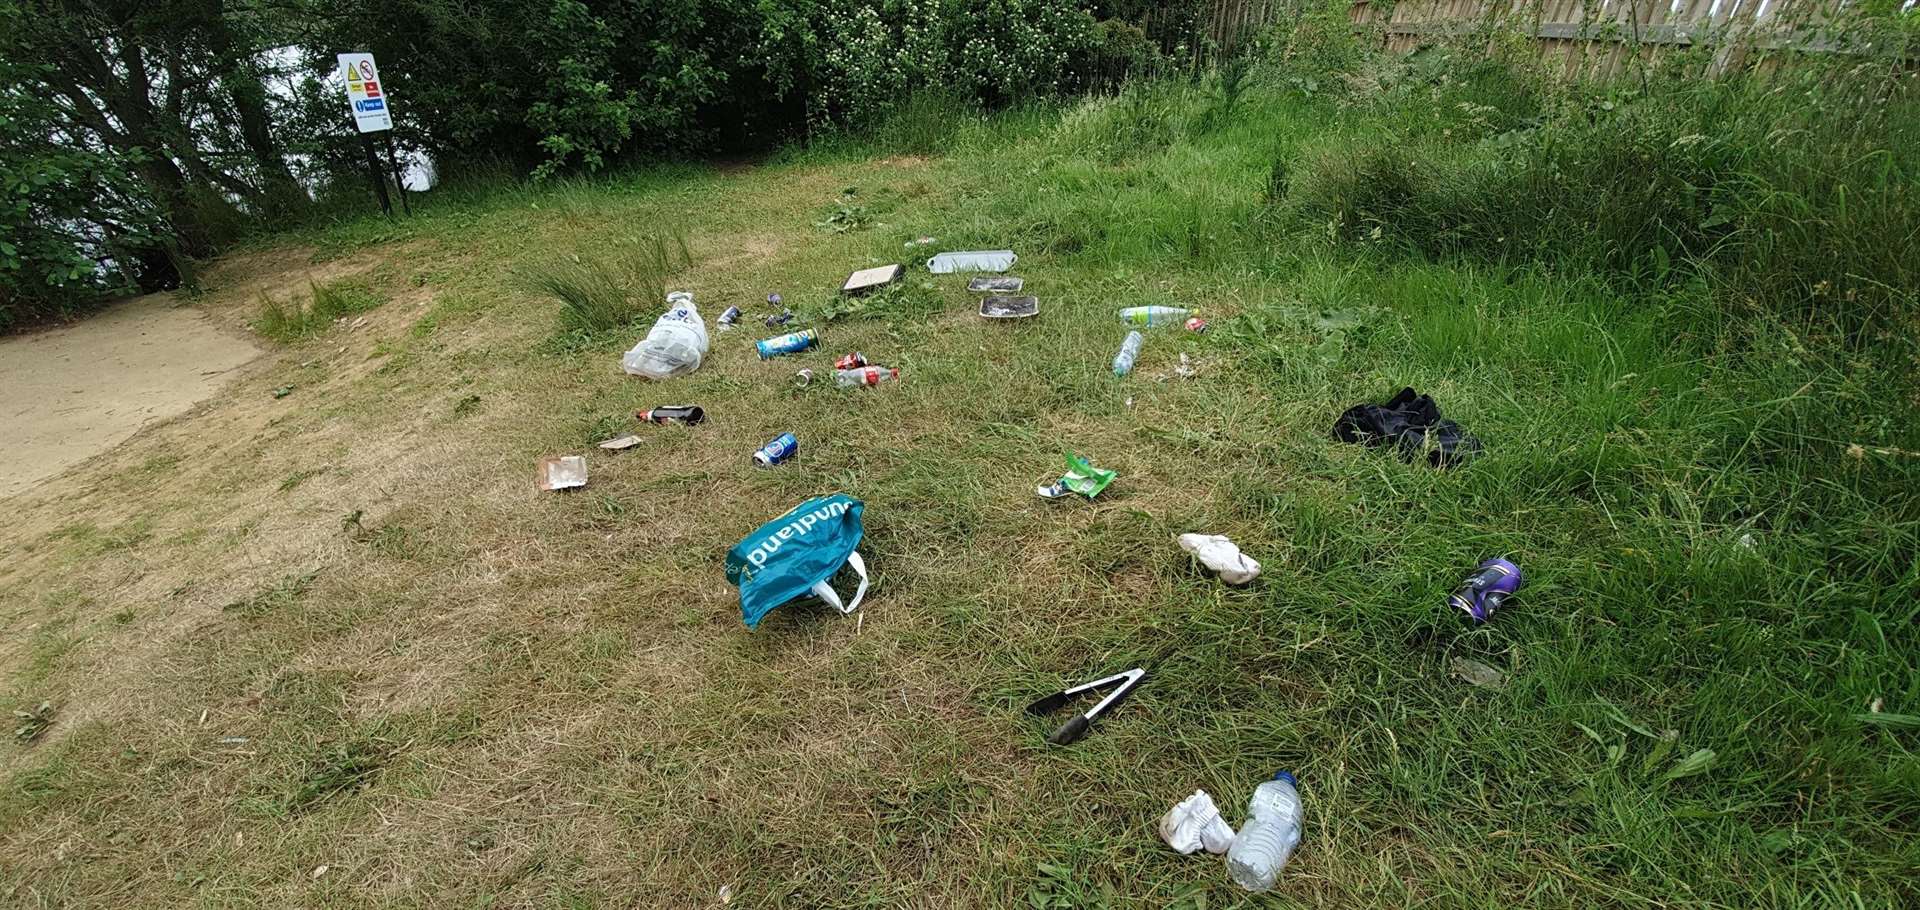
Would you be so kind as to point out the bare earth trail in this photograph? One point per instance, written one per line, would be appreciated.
(75, 391)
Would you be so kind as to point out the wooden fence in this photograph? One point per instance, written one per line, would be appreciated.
(1592, 37)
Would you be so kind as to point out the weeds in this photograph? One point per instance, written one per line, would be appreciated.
(292, 321)
(601, 293)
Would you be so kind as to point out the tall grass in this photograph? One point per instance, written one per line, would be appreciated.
(603, 292)
(290, 321)
(1796, 189)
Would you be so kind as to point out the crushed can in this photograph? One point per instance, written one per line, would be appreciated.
(730, 318)
(673, 413)
(780, 449)
(851, 361)
(779, 319)
(1196, 324)
(803, 377)
(1486, 589)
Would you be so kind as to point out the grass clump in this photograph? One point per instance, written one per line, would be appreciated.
(292, 321)
(603, 293)
(1793, 204)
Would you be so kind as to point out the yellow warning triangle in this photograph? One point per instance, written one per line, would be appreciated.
(353, 75)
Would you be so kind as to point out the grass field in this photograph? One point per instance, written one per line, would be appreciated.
(333, 649)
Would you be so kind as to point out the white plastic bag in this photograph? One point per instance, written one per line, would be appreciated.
(1194, 824)
(675, 346)
(1218, 553)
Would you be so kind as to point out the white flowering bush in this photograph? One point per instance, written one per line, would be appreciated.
(872, 54)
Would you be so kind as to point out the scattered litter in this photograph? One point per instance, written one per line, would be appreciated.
(972, 261)
(1197, 325)
(360, 323)
(674, 346)
(1219, 554)
(729, 318)
(1194, 824)
(1009, 307)
(1486, 589)
(778, 319)
(1081, 477)
(1152, 316)
(621, 442)
(865, 280)
(1412, 424)
(851, 361)
(804, 376)
(995, 284)
(673, 413)
(1186, 369)
(1271, 833)
(283, 391)
(1747, 540)
(797, 555)
(34, 722)
(1129, 352)
(1129, 401)
(318, 871)
(1123, 683)
(920, 241)
(865, 376)
(790, 343)
(563, 472)
(233, 740)
(780, 449)
(1477, 673)
(726, 894)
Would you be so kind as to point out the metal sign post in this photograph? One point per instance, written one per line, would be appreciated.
(367, 103)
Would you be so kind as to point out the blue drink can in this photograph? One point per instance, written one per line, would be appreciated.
(780, 449)
(790, 343)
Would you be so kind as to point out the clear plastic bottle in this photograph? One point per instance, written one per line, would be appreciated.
(1129, 352)
(1152, 316)
(1272, 831)
(865, 376)
(676, 344)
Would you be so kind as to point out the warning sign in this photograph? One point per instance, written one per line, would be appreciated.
(364, 97)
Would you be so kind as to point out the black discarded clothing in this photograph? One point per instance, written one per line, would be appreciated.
(1411, 423)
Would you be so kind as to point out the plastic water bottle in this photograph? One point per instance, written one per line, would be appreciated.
(1129, 351)
(1272, 831)
(676, 344)
(860, 376)
(1152, 316)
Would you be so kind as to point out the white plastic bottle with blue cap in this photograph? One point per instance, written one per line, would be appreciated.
(1272, 831)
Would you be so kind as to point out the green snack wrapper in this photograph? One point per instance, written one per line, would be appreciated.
(1081, 477)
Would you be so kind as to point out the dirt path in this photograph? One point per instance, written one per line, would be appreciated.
(71, 393)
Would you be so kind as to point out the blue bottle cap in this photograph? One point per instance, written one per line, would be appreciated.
(1288, 777)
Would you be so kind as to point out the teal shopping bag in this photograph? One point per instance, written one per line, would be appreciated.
(796, 555)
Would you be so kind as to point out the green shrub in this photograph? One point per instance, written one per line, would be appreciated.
(1788, 203)
(293, 320)
(603, 293)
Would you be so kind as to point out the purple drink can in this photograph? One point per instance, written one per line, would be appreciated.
(780, 449)
(1486, 589)
(790, 343)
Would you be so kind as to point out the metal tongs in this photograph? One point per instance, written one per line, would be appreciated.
(1070, 732)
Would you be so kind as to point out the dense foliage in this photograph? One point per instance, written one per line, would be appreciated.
(140, 136)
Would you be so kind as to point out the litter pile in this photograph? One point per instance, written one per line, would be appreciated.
(810, 554)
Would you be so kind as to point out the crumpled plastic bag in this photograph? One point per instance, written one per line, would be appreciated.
(1195, 823)
(1218, 553)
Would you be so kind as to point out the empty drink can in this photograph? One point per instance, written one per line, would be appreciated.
(780, 449)
(790, 343)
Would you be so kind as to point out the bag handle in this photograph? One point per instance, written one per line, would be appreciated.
(825, 591)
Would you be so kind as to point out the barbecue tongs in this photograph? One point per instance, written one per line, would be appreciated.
(1074, 729)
